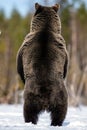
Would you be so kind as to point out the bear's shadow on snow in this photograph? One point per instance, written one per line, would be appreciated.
(66, 123)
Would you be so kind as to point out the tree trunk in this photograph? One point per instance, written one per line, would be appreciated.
(73, 76)
(7, 65)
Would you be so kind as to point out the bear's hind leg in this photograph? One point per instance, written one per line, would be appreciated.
(58, 114)
(58, 106)
(30, 114)
(31, 110)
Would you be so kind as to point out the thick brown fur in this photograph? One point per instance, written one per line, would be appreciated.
(42, 65)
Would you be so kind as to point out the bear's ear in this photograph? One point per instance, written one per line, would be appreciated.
(38, 8)
(56, 7)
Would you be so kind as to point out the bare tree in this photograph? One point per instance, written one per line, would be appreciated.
(74, 70)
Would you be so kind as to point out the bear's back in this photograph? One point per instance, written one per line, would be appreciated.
(44, 54)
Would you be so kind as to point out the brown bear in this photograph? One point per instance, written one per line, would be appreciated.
(42, 65)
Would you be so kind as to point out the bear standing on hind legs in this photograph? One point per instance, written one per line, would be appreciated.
(42, 65)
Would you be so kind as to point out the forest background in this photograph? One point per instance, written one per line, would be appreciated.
(74, 30)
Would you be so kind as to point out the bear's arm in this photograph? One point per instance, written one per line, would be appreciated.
(20, 65)
(65, 66)
(27, 42)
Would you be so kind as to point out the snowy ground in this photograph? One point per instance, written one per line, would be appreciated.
(11, 118)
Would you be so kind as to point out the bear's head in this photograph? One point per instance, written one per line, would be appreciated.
(46, 18)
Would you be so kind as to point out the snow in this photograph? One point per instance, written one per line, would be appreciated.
(11, 118)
